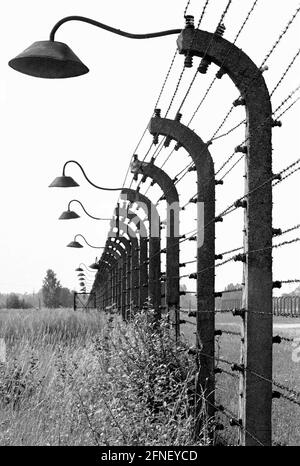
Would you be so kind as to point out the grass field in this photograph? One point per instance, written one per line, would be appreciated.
(80, 378)
(286, 415)
(37, 402)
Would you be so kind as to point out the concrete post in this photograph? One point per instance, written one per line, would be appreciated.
(202, 159)
(117, 245)
(133, 263)
(143, 253)
(154, 243)
(167, 185)
(255, 408)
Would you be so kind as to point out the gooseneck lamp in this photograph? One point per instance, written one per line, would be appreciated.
(52, 59)
(94, 265)
(71, 214)
(76, 244)
(68, 182)
(80, 269)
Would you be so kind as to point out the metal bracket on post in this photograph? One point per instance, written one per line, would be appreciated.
(255, 405)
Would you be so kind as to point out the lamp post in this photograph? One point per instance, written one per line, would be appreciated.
(89, 269)
(65, 181)
(95, 265)
(75, 244)
(52, 59)
(85, 279)
(71, 214)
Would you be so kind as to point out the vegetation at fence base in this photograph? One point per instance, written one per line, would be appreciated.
(83, 379)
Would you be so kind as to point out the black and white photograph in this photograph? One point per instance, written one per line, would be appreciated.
(150, 228)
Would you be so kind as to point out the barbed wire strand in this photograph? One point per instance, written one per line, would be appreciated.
(184, 67)
(226, 57)
(285, 72)
(205, 54)
(268, 55)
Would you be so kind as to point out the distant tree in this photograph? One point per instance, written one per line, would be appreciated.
(66, 297)
(13, 301)
(232, 287)
(24, 304)
(51, 289)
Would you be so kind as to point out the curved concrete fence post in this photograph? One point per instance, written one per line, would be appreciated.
(125, 273)
(133, 264)
(135, 220)
(115, 258)
(202, 159)
(111, 258)
(168, 187)
(154, 244)
(255, 405)
(118, 285)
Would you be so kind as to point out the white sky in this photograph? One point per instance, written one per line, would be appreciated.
(98, 118)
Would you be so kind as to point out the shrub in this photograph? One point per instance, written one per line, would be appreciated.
(79, 379)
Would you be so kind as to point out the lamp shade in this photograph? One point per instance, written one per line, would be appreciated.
(49, 59)
(94, 266)
(68, 215)
(74, 244)
(79, 269)
(63, 182)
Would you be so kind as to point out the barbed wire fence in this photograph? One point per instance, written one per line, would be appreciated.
(231, 371)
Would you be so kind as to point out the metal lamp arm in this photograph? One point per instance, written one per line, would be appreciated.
(111, 29)
(81, 236)
(87, 268)
(83, 208)
(88, 180)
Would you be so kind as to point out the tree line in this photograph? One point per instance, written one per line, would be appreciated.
(51, 295)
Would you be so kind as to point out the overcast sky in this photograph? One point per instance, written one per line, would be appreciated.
(97, 119)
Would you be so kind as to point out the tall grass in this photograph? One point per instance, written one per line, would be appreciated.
(86, 379)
